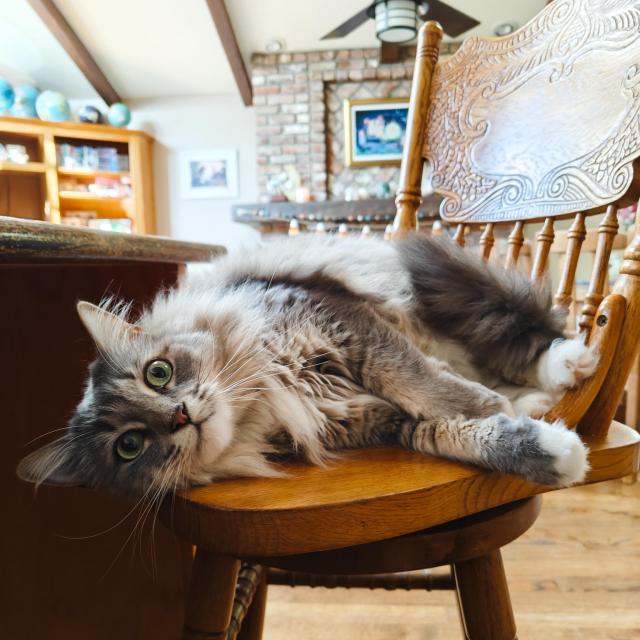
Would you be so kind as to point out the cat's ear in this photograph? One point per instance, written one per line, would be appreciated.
(51, 464)
(105, 327)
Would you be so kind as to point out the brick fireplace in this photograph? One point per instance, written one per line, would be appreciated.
(298, 99)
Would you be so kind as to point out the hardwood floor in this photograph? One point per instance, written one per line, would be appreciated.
(574, 576)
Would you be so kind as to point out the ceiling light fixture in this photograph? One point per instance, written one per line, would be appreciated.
(396, 20)
(275, 45)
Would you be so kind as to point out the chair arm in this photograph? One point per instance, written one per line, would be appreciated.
(604, 338)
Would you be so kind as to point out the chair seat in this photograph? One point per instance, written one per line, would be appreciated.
(363, 496)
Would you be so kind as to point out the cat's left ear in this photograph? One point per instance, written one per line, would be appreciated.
(52, 464)
(105, 327)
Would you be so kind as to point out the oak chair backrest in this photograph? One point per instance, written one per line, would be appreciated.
(539, 125)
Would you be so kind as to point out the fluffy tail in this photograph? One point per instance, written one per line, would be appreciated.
(500, 317)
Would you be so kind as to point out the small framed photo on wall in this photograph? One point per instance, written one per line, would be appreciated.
(375, 130)
(209, 173)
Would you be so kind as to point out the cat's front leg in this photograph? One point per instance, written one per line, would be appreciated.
(538, 451)
(392, 368)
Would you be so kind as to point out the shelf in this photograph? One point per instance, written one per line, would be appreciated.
(103, 206)
(27, 167)
(29, 191)
(85, 195)
(91, 173)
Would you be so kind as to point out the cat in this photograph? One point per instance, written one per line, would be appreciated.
(300, 349)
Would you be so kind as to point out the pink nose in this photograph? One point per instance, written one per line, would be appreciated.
(181, 416)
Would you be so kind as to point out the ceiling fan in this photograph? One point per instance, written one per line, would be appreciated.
(397, 21)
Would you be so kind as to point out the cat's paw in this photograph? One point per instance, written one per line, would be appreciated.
(566, 364)
(569, 455)
(535, 404)
(541, 452)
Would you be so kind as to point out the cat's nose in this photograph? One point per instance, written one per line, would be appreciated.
(181, 417)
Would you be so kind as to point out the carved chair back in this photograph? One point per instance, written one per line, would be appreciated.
(528, 128)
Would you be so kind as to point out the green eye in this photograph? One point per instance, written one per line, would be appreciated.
(129, 445)
(158, 373)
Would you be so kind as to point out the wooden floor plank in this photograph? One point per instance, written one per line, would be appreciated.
(574, 576)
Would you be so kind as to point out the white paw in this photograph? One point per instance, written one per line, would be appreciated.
(565, 364)
(534, 404)
(569, 454)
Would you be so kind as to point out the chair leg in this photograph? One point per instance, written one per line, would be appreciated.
(253, 622)
(484, 600)
(210, 599)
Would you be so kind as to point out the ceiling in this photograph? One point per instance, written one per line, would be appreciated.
(163, 48)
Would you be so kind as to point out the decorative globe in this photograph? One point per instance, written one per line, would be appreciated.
(88, 113)
(7, 95)
(52, 105)
(119, 115)
(25, 103)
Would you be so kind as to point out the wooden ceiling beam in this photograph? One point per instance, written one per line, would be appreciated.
(223, 25)
(71, 43)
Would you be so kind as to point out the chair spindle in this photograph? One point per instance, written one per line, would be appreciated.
(458, 236)
(486, 241)
(514, 244)
(409, 195)
(544, 240)
(575, 237)
(607, 231)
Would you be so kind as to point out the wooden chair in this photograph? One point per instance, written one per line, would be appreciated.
(508, 138)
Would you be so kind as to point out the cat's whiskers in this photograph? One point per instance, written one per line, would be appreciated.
(246, 358)
(164, 488)
(267, 364)
(117, 524)
(155, 499)
(140, 504)
(293, 368)
(44, 435)
(278, 334)
(185, 460)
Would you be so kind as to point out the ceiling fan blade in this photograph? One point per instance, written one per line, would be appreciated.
(348, 25)
(390, 52)
(454, 22)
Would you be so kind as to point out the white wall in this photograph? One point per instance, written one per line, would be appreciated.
(180, 124)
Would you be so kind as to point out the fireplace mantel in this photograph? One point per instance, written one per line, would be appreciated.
(274, 217)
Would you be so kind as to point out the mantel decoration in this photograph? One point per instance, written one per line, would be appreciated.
(375, 130)
(209, 173)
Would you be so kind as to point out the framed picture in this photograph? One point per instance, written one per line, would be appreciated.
(209, 173)
(375, 130)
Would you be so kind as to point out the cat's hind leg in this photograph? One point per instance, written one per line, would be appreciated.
(562, 366)
(565, 364)
(538, 451)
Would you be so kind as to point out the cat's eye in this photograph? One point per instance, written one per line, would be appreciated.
(130, 445)
(158, 373)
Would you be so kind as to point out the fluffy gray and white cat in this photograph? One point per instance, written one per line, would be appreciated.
(304, 348)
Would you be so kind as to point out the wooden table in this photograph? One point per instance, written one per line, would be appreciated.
(52, 586)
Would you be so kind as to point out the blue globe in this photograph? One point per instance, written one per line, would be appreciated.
(25, 103)
(52, 105)
(7, 95)
(119, 115)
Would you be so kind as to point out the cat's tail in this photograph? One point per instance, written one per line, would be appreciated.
(538, 451)
(501, 318)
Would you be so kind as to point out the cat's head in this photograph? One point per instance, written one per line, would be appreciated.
(152, 414)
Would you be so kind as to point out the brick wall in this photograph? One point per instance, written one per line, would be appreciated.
(298, 100)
